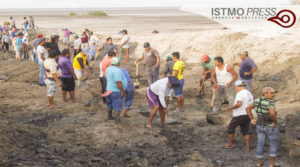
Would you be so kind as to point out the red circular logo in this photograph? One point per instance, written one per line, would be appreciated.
(285, 18)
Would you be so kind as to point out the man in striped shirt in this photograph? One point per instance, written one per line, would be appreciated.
(266, 124)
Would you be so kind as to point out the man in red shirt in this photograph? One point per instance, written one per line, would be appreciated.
(103, 66)
(84, 40)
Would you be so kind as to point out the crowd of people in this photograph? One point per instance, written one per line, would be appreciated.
(57, 70)
(15, 38)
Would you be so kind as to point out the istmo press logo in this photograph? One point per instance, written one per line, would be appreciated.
(285, 18)
(258, 20)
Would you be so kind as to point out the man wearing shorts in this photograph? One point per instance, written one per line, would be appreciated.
(178, 70)
(152, 61)
(207, 64)
(116, 84)
(125, 46)
(240, 118)
(84, 40)
(52, 80)
(156, 94)
(79, 64)
(68, 75)
(20, 46)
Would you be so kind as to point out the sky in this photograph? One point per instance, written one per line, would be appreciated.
(6, 4)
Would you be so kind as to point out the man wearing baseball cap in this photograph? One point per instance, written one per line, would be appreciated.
(116, 84)
(36, 43)
(266, 124)
(156, 97)
(152, 61)
(207, 64)
(79, 64)
(240, 118)
(169, 65)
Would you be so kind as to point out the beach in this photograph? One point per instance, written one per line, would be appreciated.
(79, 135)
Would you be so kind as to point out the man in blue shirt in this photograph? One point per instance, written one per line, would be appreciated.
(247, 68)
(116, 84)
(129, 93)
(20, 46)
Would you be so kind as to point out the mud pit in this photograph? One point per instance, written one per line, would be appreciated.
(76, 135)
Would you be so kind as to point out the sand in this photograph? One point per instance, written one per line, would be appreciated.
(77, 135)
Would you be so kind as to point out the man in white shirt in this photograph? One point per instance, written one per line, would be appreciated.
(42, 54)
(77, 44)
(125, 46)
(92, 43)
(222, 77)
(156, 97)
(240, 118)
(12, 22)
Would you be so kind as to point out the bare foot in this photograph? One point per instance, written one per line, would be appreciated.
(75, 101)
(149, 126)
(229, 146)
(51, 105)
(247, 149)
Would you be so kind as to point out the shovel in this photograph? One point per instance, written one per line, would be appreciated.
(92, 68)
(137, 82)
(212, 103)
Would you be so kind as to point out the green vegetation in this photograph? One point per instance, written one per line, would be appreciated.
(97, 13)
(72, 14)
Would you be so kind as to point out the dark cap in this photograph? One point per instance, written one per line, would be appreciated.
(20, 33)
(146, 45)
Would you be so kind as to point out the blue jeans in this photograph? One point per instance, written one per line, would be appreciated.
(36, 58)
(92, 52)
(114, 101)
(179, 91)
(262, 133)
(26, 27)
(129, 95)
(41, 76)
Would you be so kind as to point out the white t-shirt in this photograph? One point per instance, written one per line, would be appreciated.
(12, 22)
(41, 49)
(125, 38)
(160, 88)
(93, 41)
(246, 98)
(77, 43)
(50, 67)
